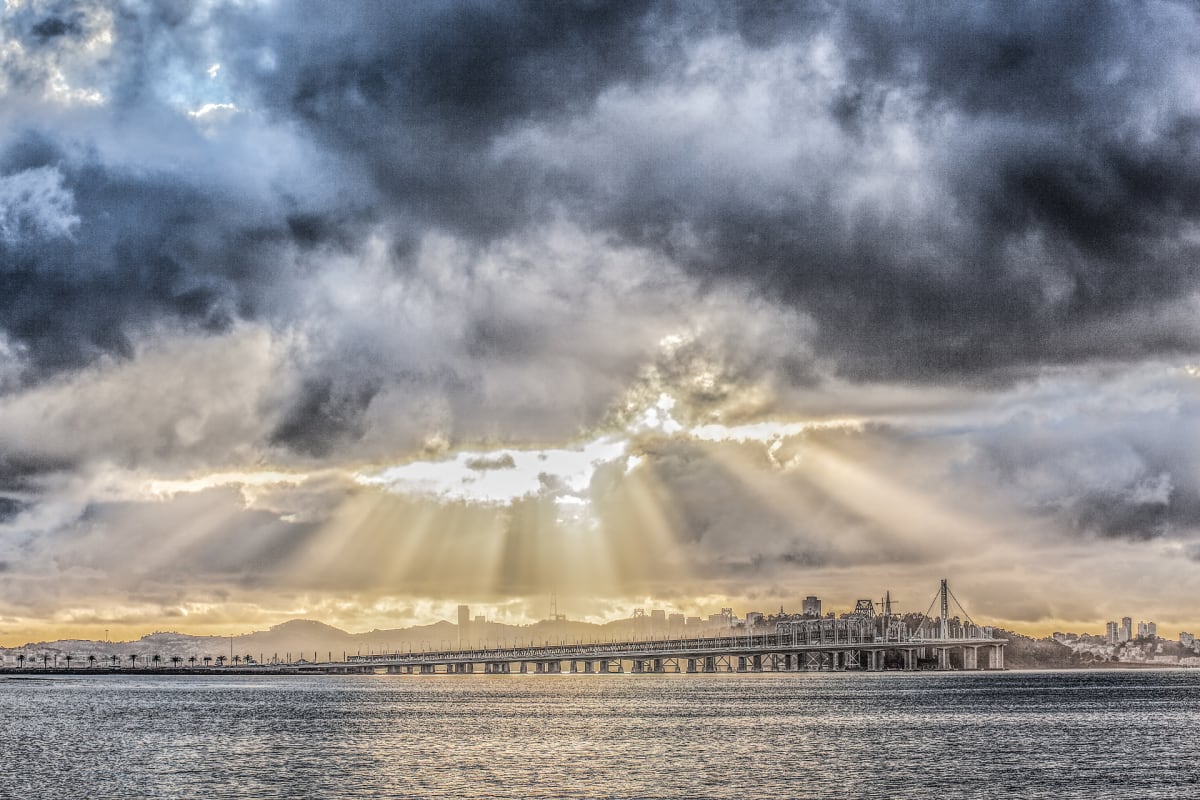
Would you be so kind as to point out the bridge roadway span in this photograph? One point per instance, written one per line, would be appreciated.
(766, 652)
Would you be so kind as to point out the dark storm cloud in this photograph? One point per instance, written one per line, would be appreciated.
(1056, 163)
(322, 414)
(1058, 238)
(52, 27)
(415, 92)
(1064, 210)
(22, 472)
(133, 260)
(10, 507)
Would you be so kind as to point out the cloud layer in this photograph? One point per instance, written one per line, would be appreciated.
(410, 240)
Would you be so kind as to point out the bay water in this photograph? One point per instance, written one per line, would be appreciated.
(1071, 734)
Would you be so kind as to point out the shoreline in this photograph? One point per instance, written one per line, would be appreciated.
(33, 674)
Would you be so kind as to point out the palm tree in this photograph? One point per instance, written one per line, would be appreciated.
(237, 660)
(114, 658)
(176, 661)
(133, 660)
(45, 661)
(92, 661)
(68, 658)
(220, 661)
(192, 661)
(21, 660)
(207, 661)
(157, 659)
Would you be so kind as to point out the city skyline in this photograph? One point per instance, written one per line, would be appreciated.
(670, 618)
(356, 315)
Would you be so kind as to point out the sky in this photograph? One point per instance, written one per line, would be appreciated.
(355, 312)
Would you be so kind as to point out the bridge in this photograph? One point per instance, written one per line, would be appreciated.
(863, 640)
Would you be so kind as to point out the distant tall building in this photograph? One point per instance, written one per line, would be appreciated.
(812, 606)
(1113, 633)
(1151, 630)
(1143, 630)
(1126, 629)
(464, 622)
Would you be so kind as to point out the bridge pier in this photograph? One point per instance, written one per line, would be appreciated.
(997, 660)
(970, 657)
(943, 658)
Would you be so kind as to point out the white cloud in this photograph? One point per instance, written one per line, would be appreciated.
(555, 471)
(213, 111)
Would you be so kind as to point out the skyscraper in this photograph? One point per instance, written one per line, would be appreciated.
(1126, 629)
(1113, 633)
(464, 623)
(812, 606)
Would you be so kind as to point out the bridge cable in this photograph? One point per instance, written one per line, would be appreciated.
(961, 608)
(925, 616)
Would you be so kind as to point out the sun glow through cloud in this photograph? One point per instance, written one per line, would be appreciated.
(504, 475)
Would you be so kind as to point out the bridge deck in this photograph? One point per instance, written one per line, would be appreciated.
(674, 648)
